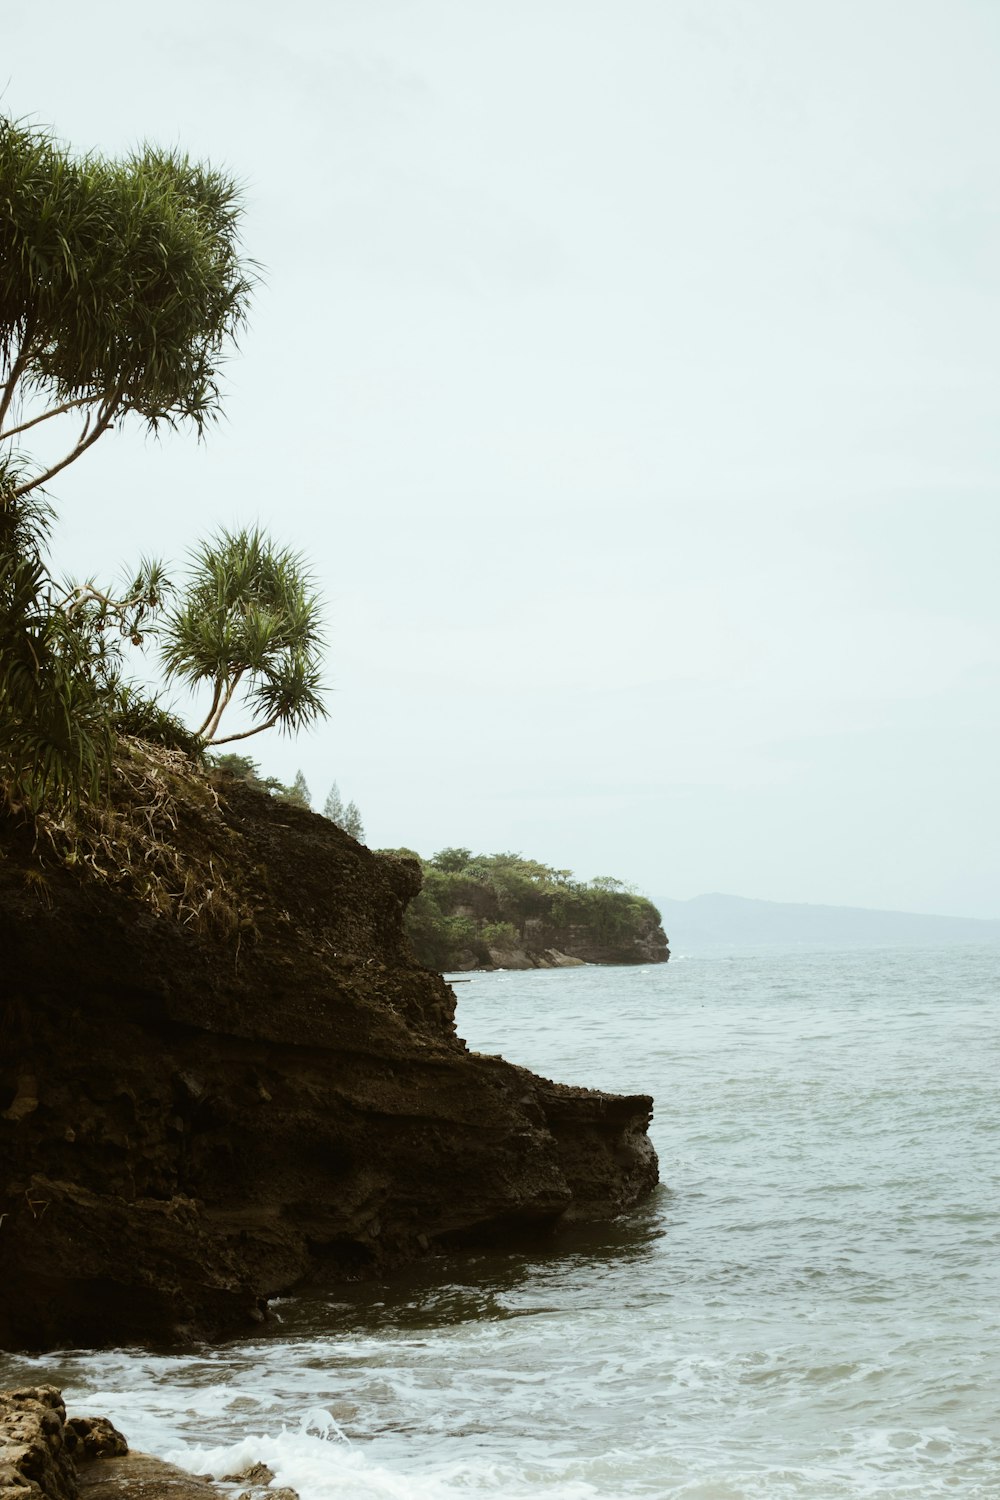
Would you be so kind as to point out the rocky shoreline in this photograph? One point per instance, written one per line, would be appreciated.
(45, 1455)
(544, 946)
(204, 1107)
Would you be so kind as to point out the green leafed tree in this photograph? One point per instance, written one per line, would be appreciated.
(346, 816)
(352, 823)
(248, 624)
(122, 287)
(451, 860)
(63, 695)
(333, 807)
(299, 792)
(55, 736)
(471, 906)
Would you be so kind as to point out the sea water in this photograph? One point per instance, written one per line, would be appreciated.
(809, 1305)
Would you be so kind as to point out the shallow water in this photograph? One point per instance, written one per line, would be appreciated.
(809, 1306)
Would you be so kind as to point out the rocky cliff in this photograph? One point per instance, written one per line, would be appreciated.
(545, 945)
(222, 1072)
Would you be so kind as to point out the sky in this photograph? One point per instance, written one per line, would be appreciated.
(628, 374)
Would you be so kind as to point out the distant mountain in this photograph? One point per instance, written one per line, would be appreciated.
(718, 921)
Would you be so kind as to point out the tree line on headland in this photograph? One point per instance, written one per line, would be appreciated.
(483, 910)
(480, 910)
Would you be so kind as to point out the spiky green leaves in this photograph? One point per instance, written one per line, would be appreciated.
(55, 739)
(249, 623)
(63, 698)
(121, 285)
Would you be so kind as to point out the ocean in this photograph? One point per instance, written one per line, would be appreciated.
(808, 1307)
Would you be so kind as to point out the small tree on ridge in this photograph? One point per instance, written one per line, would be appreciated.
(248, 623)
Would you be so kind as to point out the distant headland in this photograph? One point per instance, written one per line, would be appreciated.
(503, 911)
(721, 921)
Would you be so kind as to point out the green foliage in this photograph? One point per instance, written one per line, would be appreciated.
(348, 818)
(298, 793)
(121, 288)
(439, 939)
(472, 903)
(245, 768)
(451, 859)
(145, 718)
(352, 823)
(242, 767)
(55, 736)
(333, 807)
(62, 697)
(248, 621)
(501, 935)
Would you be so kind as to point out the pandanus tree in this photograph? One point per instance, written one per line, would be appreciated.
(122, 287)
(248, 624)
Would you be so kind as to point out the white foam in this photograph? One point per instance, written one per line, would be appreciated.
(319, 1463)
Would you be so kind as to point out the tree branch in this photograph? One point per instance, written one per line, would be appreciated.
(56, 411)
(227, 739)
(230, 690)
(86, 592)
(211, 712)
(17, 369)
(105, 417)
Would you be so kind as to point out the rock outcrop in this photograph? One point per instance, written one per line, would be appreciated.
(36, 1458)
(544, 945)
(46, 1456)
(201, 1108)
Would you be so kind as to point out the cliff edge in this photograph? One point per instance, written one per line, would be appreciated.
(223, 1072)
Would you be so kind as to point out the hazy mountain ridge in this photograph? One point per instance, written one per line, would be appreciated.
(717, 920)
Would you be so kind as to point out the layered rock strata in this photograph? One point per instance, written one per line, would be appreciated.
(196, 1117)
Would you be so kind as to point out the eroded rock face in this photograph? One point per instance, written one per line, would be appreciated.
(191, 1124)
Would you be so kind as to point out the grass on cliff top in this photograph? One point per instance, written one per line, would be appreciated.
(157, 835)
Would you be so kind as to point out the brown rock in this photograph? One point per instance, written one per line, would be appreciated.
(95, 1438)
(140, 1477)
(220, 1114)
(252, 1474)
(35, 1459)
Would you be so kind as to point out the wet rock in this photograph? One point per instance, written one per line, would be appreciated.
(252, 1474)
(141, 1477)
(95, 1437)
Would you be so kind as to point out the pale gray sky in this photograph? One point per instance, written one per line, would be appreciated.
(629, 372)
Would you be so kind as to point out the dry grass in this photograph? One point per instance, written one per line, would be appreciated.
(158, 835)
